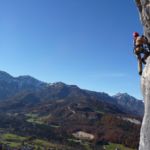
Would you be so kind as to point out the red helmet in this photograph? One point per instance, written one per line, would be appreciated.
(135, 34)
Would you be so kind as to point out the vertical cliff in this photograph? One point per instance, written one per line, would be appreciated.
(145, 129)
(144, 11)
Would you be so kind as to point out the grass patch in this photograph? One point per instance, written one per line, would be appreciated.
(31, 115)
(43, 143)
(55, 126)
(13, 144)
(12, 140)
(113, 146)
(74, 140)
(15, 141)
(86, 145)
(100, 112)
(12, 137)
(34, 118)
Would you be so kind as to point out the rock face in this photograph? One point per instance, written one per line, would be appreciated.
(145, 130)
(144, 9)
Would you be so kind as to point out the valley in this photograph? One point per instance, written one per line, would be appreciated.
(64, 117)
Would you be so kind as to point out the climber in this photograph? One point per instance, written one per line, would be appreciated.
(141, 46)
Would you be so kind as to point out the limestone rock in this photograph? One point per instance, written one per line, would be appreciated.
(144, 10)
(83, 135)
(145, 129)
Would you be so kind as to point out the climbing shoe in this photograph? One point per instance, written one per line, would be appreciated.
(140, 73)
(143, 61)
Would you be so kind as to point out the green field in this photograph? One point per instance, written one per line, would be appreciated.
(15, 141)
(113, 146)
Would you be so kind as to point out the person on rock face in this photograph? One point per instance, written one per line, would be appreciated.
(140, 47)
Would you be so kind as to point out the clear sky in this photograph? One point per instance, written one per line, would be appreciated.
(82, 42)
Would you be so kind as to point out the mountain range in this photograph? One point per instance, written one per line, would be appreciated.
(28, 90)
(58, 111)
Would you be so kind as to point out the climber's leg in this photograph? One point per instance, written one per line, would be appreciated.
(139, 64)
(137, 52)
(146, 54)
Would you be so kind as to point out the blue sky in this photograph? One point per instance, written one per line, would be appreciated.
(82, 42)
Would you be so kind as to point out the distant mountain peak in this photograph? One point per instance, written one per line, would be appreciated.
(62, 84)
(24, 76)
(124, 95)
(10, 86)
(28, 78)
(4, 72)
(131, 103)
(58, 83)
(5, 76)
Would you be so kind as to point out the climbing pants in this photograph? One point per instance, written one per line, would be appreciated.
(140, 59)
